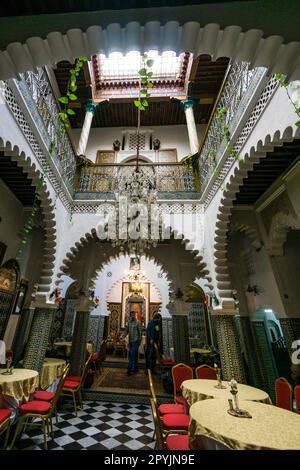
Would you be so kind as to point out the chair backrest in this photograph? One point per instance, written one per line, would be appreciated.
(152, 391)
(60, 385)
(297, 398)
(85, 369)
(209, 443)
(205, 372)
(180, 373)
(284, 393)
(158, 432)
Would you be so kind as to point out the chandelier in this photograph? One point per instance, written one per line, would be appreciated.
(138, 187)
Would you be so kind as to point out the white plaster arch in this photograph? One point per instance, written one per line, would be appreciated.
(169, 256)
(231, 42)
(30, 168)
(254, 155)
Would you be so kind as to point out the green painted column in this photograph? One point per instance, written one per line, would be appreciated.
(80, 338)
(181, 343)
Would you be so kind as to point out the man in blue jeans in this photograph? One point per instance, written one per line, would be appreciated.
(134, 332)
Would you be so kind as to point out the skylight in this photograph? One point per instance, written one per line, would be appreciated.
(117, 76)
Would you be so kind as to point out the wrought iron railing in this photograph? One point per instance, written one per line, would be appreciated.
(239, 86)
(35, 86)
(166, 177)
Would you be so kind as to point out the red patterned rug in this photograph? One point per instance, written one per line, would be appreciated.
(117, 380)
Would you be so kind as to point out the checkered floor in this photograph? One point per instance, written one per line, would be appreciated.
(99, 426)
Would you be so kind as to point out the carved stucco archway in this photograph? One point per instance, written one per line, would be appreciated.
(249, 46)
(254, 156)
(48, 213)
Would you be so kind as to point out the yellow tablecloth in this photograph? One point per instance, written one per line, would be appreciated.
(269, 428)
(201, 389)
(20, 385)
(52, 368)
(200, 351)
(68, 346)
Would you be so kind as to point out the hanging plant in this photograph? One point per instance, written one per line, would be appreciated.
(70, 95)
(30, 221)
(142, 102)
(284, 84)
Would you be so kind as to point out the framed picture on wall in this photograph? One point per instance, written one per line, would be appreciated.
(2, 251)
(135, 263)
(20, 297)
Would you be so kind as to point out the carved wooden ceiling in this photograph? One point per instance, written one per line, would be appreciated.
(206, 79)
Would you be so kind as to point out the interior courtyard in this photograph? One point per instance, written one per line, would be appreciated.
(149, 225)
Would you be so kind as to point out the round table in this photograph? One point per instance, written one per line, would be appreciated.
(201, 389)
(269, 428)
(52, 369)
(20, 385)
(68, 346)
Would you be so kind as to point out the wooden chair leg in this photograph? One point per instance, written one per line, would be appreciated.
(45, 435)
(74, 402)
(6, 436)
(51, 427)
(18, 429)
(80, 399)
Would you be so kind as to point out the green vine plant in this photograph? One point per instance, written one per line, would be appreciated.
(285, 84)
(28, 227)
(144, 74)
(65, 100)
(142, 102)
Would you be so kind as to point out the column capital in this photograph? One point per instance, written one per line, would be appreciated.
(91, 106)
(188, 103)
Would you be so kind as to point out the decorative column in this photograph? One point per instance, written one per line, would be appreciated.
(253, 371)
(22, 333)
(180, 327)
(101, 326)
(167, 335)
(266, 359)
(90, 110)
(229, 348)
(291, 331)
(39, 337)
(80, 335)
(93, 332)
(188, 107)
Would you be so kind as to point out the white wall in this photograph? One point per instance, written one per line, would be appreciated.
(169, 136)
(12, 220)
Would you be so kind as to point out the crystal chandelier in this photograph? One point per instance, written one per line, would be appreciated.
(139, 188)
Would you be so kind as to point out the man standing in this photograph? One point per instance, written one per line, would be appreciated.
(134, 332)
(153, 337)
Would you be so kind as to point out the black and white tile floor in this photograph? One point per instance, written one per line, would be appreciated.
(99, 426)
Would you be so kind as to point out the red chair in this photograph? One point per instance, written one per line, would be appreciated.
(180, 373)
(297, 398)
(38, 409)
(205, 372)
(99, 357)
(284, 394)
(175, 439)
(165, 408)
(43, 395)
(5, 415)
(73, 387)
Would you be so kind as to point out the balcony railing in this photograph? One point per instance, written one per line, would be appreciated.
(236, 97)
(170, 180)
(36, 91)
